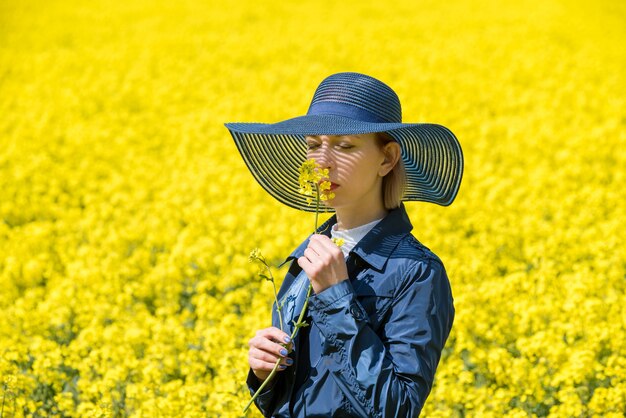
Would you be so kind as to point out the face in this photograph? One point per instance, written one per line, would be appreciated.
(357, 165)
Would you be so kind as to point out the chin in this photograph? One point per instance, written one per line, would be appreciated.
(329, 203)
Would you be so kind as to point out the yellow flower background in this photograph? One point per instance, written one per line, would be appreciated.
(127, 215)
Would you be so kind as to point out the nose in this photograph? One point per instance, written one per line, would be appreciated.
(323, 155)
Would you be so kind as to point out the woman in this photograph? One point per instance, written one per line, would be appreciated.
(381, 308)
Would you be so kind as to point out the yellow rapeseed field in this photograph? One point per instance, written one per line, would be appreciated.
(127, 215)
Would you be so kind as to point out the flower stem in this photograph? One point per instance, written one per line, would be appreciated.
(317, 205)
(278, 307)
(300, 323)
(297, 326)
(306, 303)
(260, 389)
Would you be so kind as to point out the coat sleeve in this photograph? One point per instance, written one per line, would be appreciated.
(388, 374)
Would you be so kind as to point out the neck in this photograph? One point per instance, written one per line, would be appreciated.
(348, 218)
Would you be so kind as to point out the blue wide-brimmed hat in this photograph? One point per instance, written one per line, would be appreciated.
(349, 104)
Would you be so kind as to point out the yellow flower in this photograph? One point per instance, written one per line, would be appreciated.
(338, 241)
(327, 196)
(309, 175)
(256, 256)
(314, 181)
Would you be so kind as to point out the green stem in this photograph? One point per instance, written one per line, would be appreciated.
(260, 389)
(306, 303)
(278, 307)
(297, 326)
(317, 205)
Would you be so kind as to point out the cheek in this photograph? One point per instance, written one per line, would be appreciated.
(349, 161)
(356, 171)
(345, 168)
(356, 165)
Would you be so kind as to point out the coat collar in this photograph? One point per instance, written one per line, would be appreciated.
(376, 247)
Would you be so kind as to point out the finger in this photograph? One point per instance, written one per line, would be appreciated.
(320, 248)
(322, 239)
(269, 346)
(318, 237)
(274, 334)
(261, 360)
(305, 264)
(322, 256)
(312, 256)
(280, 336)
(265, 366)
(324, 245)
(275, 349)
(256, 354)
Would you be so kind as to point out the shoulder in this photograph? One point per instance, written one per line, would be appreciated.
(412, 263)
(411, 253)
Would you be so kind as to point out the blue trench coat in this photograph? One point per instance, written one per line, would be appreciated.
(374, 341)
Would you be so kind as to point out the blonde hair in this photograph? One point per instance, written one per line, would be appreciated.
(394, 183)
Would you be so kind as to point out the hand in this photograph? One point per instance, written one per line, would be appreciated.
(323, 263)
(265, 349)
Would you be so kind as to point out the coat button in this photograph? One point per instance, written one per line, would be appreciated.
(356, 312)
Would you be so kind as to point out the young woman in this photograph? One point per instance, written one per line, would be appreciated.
(381, 308)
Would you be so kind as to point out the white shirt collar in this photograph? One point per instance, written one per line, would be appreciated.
(351, 237)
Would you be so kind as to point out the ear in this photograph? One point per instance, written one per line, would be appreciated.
(391, 151)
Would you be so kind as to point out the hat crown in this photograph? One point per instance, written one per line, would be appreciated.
(356, 96)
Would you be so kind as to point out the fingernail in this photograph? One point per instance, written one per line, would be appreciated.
(289, 362)
(283, 352)
(282, 367)
(287, 340)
